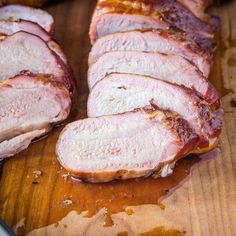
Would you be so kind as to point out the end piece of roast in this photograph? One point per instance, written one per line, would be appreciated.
(118, 93)
(170, 68)
(27, 52)
(162, 41)
(29, 104)
(17, 12)
(120, 16)
(113, 147)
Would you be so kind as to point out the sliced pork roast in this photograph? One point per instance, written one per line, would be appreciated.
(118, 93)
(30, 105)
(166, 67)
(112, 147)
(119, 16)
(163, 41)
(11, 27)
(28, 52)
(17, 12)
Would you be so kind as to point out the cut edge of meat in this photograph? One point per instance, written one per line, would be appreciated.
(38, 89)
(117, 93)
(53, 65)
(162, 41)
(122, 19)
(19, 143)
(171, 68)
(17, 12)
(9, 27)
(184, 137)
(130, 22)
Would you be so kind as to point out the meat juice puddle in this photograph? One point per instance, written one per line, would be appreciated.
(117, 196)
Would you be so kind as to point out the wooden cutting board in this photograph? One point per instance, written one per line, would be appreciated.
(37, 196)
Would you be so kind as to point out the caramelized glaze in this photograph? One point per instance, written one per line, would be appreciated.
(137, 7)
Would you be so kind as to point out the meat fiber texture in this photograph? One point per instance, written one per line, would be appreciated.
(9, 27)
(118, 93)
(162, 41)
(121, 16)
(30, 106)
(112, 147)
(29, 52)
(170, 68)
(17, 12)
(35, 82)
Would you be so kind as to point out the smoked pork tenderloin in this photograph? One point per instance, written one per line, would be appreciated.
(30, 106)
(26, 52)
(113, 147)
(10, 27)
(17, 12)
(121, 16)
(162, 41)
(118, 93)
(170, 68)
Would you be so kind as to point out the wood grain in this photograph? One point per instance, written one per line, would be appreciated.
(205, 204)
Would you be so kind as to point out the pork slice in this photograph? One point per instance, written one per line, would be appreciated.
(113, 147)
(163, 41)
(121, 16)
(19, 143)
(31, 102)
(16, 12)
(118, 93)
(170, 68)
(27, 52)
(11, 27)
